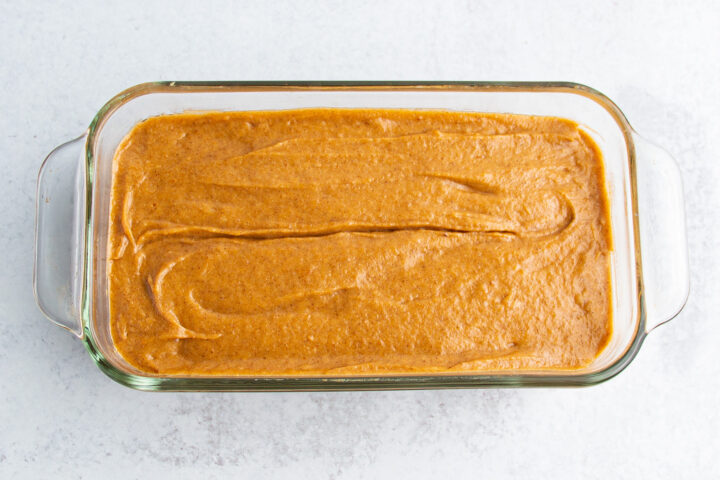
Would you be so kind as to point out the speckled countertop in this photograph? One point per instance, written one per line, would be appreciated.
(61, 418)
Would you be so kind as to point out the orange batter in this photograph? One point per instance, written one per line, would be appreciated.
(331, 241)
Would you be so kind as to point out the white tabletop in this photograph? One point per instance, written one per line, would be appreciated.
(60, 417)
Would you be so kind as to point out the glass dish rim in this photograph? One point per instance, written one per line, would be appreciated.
(364, 382)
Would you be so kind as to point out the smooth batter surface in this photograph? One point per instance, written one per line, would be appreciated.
(336, 241)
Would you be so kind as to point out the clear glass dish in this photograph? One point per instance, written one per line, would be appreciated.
(650, 278)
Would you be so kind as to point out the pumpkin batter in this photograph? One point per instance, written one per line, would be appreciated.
(330, 241)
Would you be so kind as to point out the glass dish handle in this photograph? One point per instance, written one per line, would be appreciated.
(663, 239)
(60, 235)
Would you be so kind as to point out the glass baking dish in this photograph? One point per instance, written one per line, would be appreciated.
(650, 278)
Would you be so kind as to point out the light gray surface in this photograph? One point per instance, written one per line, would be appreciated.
(61, 418)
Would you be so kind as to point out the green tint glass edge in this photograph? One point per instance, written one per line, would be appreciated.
(397, 382)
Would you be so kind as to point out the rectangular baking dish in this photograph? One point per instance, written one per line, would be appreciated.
(650, 278)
